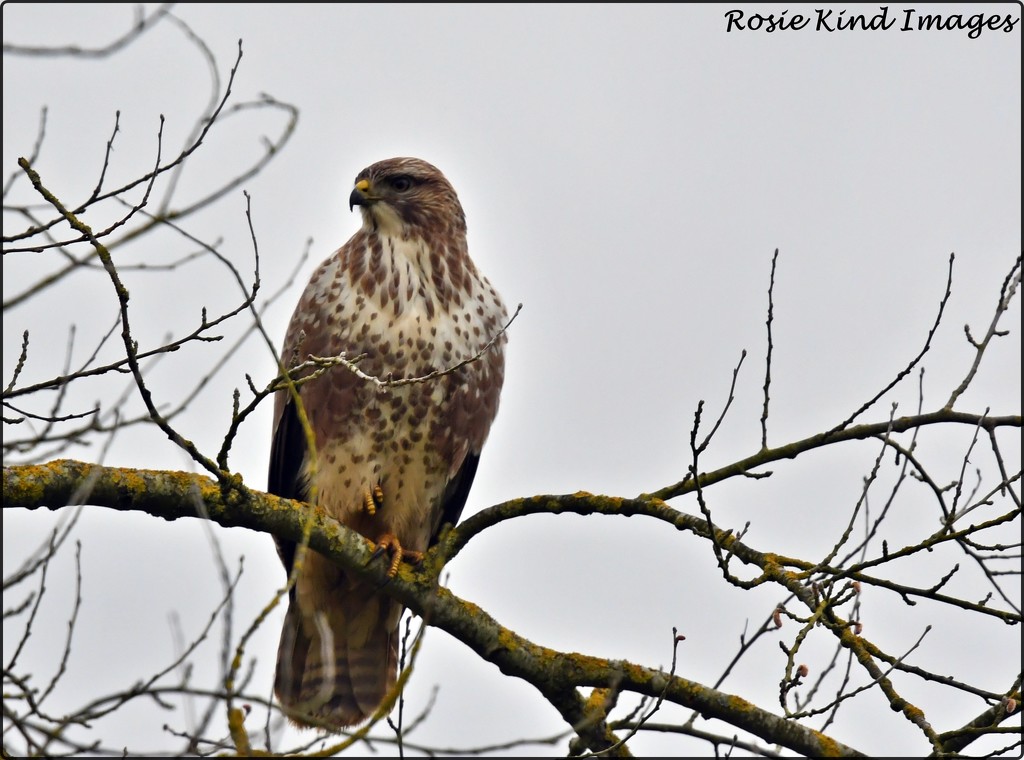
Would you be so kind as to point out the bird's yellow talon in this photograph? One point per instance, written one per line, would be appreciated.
(389, 543)
(372, 499)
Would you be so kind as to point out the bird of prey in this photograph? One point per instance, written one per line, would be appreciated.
(394, 462)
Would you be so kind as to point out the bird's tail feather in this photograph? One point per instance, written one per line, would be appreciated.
(338, 655)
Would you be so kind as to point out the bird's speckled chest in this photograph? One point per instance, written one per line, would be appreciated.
(401, 312)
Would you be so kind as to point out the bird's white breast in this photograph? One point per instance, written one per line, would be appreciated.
(393, 441)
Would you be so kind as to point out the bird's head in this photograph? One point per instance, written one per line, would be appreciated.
(405, 197)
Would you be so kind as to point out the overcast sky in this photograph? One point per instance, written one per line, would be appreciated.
(627, 172)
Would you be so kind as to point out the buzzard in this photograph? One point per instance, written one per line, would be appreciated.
(391, 460)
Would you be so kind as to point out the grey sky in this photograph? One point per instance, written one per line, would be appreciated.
(627, 172)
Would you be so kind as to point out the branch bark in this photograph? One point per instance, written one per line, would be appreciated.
(556, 675)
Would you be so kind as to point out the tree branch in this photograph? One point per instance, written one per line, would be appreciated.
(557, 675)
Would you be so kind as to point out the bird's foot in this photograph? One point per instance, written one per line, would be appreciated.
(389, 543)
(373, 499)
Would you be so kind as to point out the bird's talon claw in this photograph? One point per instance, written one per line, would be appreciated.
(389, 543)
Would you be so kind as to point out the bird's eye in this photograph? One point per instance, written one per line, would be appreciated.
(400, 183)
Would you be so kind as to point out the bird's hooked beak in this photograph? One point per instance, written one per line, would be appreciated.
(360, 195)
